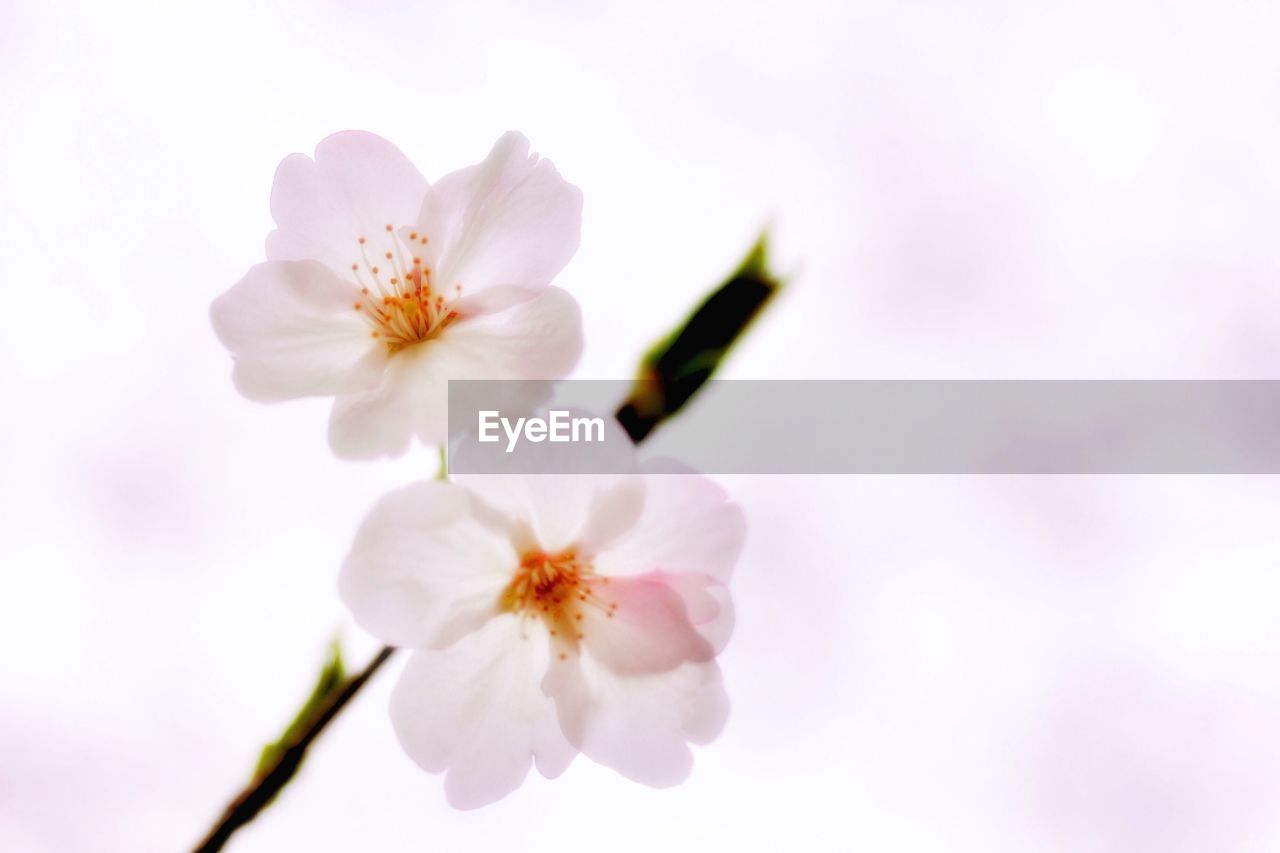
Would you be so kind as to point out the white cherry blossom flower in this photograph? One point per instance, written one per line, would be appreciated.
(551, 615)
(379, 288)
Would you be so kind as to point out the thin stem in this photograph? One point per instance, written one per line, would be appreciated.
(271, 779)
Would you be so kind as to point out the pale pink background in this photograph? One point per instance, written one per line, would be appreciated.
(977, 189)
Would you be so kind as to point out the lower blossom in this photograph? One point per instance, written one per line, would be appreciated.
(549, 616)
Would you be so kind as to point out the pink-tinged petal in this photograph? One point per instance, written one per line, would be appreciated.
(708, 605)
(640, 726)
(539, 338)
(642, 627)
(508, 222)
(293, 331)
(688, 526)
(357, 184)
(475, 711)
(423, 569)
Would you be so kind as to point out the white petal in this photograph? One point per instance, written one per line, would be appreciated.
(476, 712)
(584, 510)
(639, 726)
(538, 338)
(510, 221)
(559, 511)
(294, 332)
(688, 526)
(383, 420)
(412, 400)
(357, 185)
(614, 510)
(423, 568)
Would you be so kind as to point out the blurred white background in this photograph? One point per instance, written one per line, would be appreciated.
(961, 189)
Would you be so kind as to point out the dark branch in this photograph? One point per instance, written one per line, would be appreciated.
(271, 779)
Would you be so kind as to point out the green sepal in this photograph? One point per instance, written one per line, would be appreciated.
(673, 370)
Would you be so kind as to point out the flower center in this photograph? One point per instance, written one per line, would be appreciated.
(397, 297)
(556, 588)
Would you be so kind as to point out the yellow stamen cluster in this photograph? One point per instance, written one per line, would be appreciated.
(555, 588)
(399, 302)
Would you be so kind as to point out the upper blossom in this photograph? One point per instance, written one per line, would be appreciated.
(379, 287)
